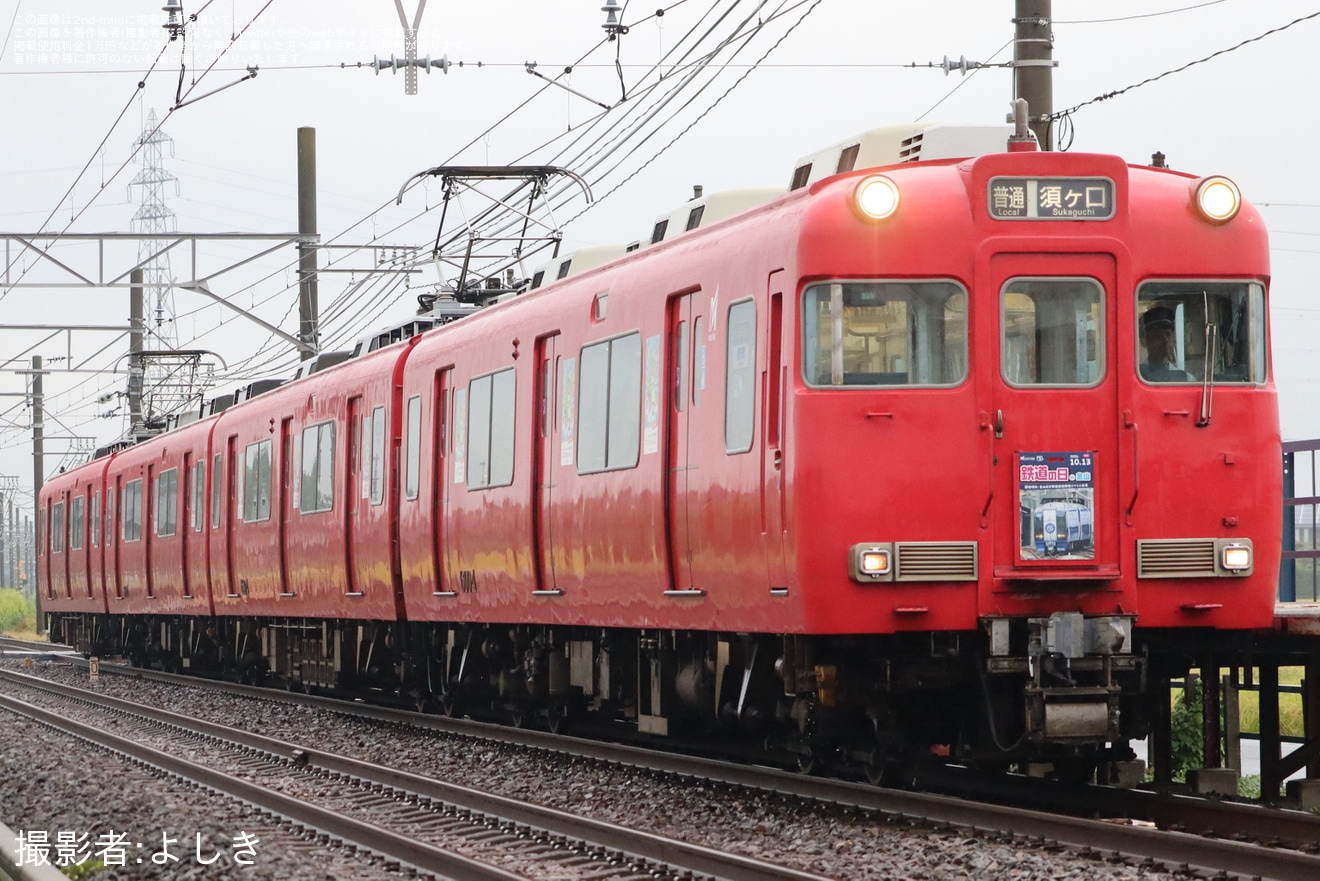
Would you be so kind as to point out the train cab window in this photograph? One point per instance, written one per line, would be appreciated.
(95, 530)
(76, 523)
(215, 491)
(256, 482)
(57, 528)
(1052, 332)
(413, 438)
(1184, 325)
(740, 378)
(879, 334)
(317, 490)
(490, 430)
(167, 502)
(610, 404)
(130, 511)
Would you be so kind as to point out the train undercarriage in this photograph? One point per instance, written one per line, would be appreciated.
(1063, 690)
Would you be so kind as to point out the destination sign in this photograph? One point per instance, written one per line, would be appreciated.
(1051, 198)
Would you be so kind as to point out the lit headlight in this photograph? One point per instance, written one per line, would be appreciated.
(1218, 199)
(869, 563)
(877, 197)
(1236, 557)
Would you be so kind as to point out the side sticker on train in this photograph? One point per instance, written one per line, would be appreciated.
(1056, 498)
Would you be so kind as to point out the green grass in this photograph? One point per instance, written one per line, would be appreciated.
(18, 614)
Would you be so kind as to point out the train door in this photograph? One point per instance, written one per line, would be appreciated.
(113, 536)
(285, 502)
(686, 327)
(358, 486)
(773, 382)
(546, 460)
(1054, 417)
(147, 509)
(439, 481)
(184, 525)
(232, 512)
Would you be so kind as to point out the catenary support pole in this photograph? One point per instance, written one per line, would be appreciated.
(137, 321)
(308, 309)
(38, 467)
(1033, 65)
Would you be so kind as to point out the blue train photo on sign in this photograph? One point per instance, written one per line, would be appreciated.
(1056, 494)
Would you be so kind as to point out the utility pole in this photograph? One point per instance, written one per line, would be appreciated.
(38, 467)
(1033, 66)
(308, 310)
(136, 424)
(5, 545)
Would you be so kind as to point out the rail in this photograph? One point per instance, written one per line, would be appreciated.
(1274, 831)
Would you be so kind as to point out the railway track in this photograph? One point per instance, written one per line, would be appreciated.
(1274, 848)
(417, 821)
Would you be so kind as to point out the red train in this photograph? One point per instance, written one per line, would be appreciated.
(799, 473)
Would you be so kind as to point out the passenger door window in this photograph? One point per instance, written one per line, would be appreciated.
(1053, 332)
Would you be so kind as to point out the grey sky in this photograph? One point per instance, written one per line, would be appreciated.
(69, 67)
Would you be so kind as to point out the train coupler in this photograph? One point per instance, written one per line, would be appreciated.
(1072, 715)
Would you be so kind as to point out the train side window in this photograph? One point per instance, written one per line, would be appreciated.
(490, 430)
(76, 523)
(167, 502)
(57, 528)
(1052, 332)
(1223, 318)
(130, 511)
(109, 522)
(95, 530)
(698, 359)
(610, 404)
(317, 490)
(740, 377)
(198, 495)
(413, 435)
(377, 455)
(877, 334)
(256, 482)
(215, 491)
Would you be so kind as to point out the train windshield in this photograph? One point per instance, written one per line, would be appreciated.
(1052, 332)
(1183, 325)
(875, 334)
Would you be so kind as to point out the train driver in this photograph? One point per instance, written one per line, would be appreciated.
(1159, 335)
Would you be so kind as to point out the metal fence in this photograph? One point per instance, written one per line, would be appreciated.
(1298, 578)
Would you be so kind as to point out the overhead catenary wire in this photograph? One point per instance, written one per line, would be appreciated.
(256, 363)
(1064, 114)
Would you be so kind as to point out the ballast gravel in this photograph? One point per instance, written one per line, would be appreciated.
(50, 782)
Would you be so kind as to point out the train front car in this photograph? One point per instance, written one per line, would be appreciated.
(1035, 448)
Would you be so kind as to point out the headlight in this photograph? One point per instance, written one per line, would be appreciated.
(876, 197)
(1218, 199)
(1236, 557)
(871, 562)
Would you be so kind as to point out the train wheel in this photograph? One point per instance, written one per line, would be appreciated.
(449, 706)
(521, 716)
(809, 761)
(879, 770)
(558, 718)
